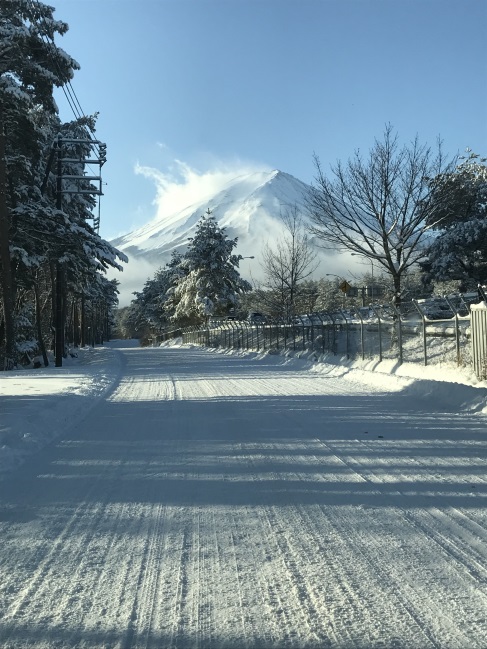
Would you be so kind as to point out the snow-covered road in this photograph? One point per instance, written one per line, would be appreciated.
(223, 501)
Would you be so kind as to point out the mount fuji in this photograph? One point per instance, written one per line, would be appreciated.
(249, 207)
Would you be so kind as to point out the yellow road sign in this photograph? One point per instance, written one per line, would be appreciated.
(345, 286)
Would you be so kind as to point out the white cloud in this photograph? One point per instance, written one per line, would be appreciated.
(181, 185)
(177, 187)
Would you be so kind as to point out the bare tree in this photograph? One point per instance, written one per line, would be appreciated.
(288, 263)
(380, 207)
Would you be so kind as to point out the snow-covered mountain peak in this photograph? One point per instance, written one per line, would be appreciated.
(249, 206)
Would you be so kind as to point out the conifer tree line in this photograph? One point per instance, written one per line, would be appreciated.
(52, 260)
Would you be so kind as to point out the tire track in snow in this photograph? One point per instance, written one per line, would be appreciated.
(311, 626)
(462, 552)
(182, 621)
(271, 561)
(347, 597)
(147, 585)
(246, 620)
(442, 603)
(461, 601)
(427, 638)
(168, 565)
(257, 626)
(423, 634)
(454, 520)
(103, 553)
(51, 548)
(299, 579)
(399, 604)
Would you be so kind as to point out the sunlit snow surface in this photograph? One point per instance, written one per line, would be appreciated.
(179, 497)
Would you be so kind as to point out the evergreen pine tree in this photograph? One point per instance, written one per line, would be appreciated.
(210, 282)
(30, 66)
(35, 235)
(459, 252)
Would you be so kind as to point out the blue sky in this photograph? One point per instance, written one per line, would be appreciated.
(219, 84)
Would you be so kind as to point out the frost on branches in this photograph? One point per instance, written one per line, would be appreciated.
(35, 235)
(460, 249)
(210, 283)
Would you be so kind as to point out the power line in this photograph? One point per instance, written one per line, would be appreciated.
(66, 87)
(69, 93)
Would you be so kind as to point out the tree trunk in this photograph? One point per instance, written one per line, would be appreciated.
(397, 289)
(6, 272)
(52, 276)
(40, 339)
(59, 320)
(60, 277)
(83, 322)
(76, 337)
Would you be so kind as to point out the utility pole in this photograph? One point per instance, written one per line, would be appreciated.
(79, 180)
(59, 315)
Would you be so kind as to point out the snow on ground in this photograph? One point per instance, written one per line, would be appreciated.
(38, 405)
(176, 497)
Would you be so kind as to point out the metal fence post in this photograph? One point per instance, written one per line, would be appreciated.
(322, 325)
(302, 332)
(362, 342)
(457, 327)
(379, 328)
(423, 322)
(478, 324)
(347, 333)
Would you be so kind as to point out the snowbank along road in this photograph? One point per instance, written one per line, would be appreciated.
(214, 501)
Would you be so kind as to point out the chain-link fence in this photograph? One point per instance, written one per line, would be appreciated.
(419, 331)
